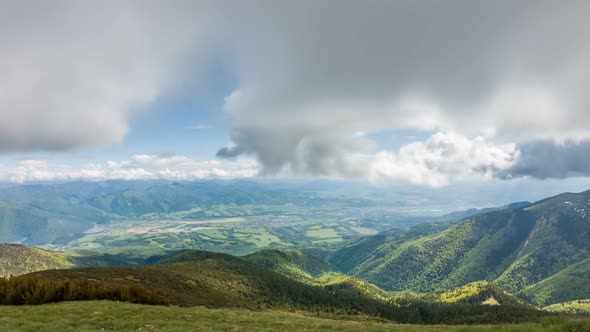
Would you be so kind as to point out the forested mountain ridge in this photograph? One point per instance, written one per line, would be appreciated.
(514, 247)
(220, 280)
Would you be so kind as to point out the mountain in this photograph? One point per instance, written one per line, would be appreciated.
(58, 214)
(184, 196)
(571, 283)
(578, 307)
(220, 280)
(514, 247)
(292, 263)
(478, 292)
(44, 213)
(18, 259)
(52, 213)
(353, 257)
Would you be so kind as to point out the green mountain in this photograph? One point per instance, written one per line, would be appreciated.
(365, 250)
(578, 307)
(571, 283)
(514, 247)
(53, 213)
(220, 280)
(292, 263)
(478, 292)
(18, 259)
(175, 197)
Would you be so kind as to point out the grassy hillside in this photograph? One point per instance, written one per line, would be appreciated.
(18, 259)
(114, 316)
(219, 280)
(515, 247)
(571, 283)
(479, 292)
(291, 263)
(578, 307)
(312, 270)
(203, 278)
(368, 250)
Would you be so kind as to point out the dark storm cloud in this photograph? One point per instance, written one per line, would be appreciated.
(550, 160)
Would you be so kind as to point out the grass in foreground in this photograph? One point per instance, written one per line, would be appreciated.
(115, 316)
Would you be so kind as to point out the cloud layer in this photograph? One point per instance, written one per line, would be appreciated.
(500, 84)
(505, 73)
(137, 167)
(73, 73)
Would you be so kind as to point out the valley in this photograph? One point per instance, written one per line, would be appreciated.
(294, 165)
(327, 257)
(149, 218)
(237, 230)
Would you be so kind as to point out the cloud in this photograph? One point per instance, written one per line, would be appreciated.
(443, 158)
(507, 73)
(545, 159)
(312, 74)
(137, 167)
(73, 73)
(199, 126)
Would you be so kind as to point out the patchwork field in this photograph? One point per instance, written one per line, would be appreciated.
(236, 229)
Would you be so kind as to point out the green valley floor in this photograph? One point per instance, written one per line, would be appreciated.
(115, 316)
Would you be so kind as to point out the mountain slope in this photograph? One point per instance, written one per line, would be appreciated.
(578, 307)
(205, 278)
(219, 280)
(292, 263)
(515, 247)
(571, 283)
(479, 292)
(18, 259)
(174, 197)
(367, 250)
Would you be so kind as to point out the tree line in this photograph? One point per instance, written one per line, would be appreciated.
(38, 290)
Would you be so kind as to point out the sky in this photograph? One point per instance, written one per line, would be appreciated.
(423, 93)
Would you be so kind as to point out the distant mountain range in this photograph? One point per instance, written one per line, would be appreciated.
(58, 213)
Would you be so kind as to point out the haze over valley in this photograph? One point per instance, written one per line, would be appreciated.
(292, 165)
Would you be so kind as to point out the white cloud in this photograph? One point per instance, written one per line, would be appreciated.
(312, 74)
(508, 72)
(137, 167)
(73, 72)
(443, 158)
(200, 126)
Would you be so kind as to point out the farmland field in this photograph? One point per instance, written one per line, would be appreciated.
(237, 229)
